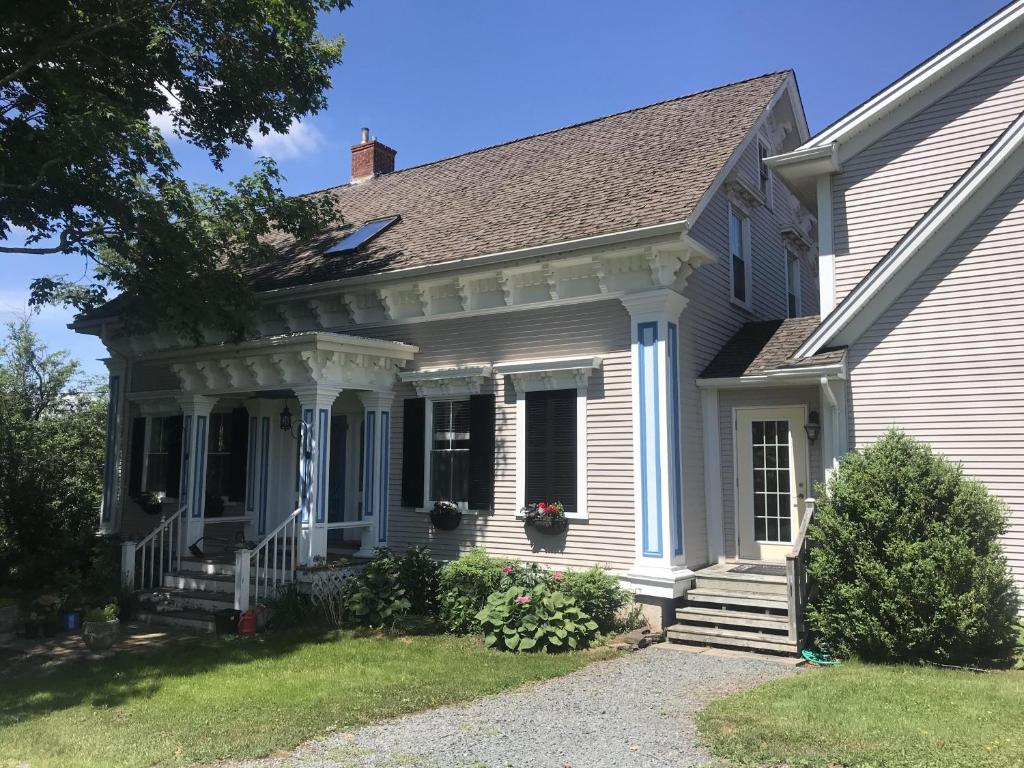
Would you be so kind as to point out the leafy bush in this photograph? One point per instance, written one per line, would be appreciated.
(598, 594)
(291, 609)
(419, 573)
(534, 620)
(907, 561)
(106, 613)
(376, 596)
(464, 586)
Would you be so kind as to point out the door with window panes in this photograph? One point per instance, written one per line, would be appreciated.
(771, 480)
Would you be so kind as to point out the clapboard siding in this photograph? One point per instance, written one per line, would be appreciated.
(756, 398)
(883, 191)
(946, 361)
(600, 328)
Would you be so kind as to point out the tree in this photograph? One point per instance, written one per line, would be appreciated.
(83, 170)
(52, 438)
(906, 560)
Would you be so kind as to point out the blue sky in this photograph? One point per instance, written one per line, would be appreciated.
(434, 79)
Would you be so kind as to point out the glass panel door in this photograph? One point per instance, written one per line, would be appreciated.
(772, 482)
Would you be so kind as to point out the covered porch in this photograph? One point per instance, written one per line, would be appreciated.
(278, 446)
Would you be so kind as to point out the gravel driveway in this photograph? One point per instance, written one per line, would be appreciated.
(636, 711)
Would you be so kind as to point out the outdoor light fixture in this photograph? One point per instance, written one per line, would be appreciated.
(812, 427)
(286, 419)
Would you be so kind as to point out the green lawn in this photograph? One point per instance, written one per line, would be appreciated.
(206, 699)
(864, 715)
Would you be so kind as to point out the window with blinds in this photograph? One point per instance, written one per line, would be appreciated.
(449, 451)
(551, 447)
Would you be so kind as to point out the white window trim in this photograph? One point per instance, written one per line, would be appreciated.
(793, 258)
(540, 375)
(428, 441)
(746, 254)
(769, 192)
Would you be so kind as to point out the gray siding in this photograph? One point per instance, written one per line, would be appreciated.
(886, 188)
(593, 328)
(945, 361)
(756, 398)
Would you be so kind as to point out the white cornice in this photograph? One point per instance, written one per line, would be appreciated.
(562, 373)
(441, 382)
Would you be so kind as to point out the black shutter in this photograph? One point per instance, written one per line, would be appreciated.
(239, 454)
(413, 424)
(551, 447)
(137, 457)
(481, 452)
(173, 425)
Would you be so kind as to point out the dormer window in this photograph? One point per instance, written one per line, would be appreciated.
(739, 256)
(362, 235)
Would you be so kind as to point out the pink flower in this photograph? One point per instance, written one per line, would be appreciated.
(507, 570)
(523, 599)
(557, 575)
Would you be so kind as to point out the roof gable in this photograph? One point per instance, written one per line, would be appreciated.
(644, 168)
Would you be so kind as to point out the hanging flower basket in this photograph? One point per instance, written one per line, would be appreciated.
(546, 517)
(445, 516)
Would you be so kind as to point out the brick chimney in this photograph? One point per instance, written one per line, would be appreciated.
(371, 158)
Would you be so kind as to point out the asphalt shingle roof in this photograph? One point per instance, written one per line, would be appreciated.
(644, 167)
(768, 345)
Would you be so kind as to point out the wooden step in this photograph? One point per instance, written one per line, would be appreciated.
(721, 617)
(733, 597)
(200, 582)
(730, 638)
(750, 584)
(201, 601)
(196, 621)
(209, 566)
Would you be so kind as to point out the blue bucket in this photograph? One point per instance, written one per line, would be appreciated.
(72, 621)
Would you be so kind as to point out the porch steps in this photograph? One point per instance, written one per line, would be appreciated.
(195, 621)
(738, 610)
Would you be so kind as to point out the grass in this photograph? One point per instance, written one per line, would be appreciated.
(208, 699)
(867, 716)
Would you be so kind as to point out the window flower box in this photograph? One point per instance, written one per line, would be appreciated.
(546, 517)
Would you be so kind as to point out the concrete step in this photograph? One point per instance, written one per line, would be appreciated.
(201, 601)
(730, 638)
(721, 617)
(751, 584)
(193, 581)
(733, 597)
(196, 621)
(208, 566)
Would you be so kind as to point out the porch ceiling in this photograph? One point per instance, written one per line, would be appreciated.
(291, 361)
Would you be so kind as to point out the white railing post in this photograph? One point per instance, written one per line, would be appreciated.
(128, 564)
(242, 559)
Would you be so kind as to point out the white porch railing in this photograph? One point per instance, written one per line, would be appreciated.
(797, 584)
(144, 563)
(261, 571)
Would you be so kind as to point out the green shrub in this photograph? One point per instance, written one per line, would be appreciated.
(907, 562)
(419, 573)
(291, 609)
(105, 613)
(598, 594)
(538, 619)
(376, 597)
(464, 586)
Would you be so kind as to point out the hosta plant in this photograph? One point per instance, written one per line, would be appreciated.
(376, 596)
(538, 619)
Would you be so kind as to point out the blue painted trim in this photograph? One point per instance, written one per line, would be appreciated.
(369, 459)
(186, 454)
(323, 443)
(264, 465)
(675, 460)
(306, 470)
(250, 485)
(111, 453)
(385, 458)
(199, 480)
(650, 419)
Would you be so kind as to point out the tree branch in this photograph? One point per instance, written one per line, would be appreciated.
(42, 54)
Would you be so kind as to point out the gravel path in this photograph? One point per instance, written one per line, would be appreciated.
(631, 712)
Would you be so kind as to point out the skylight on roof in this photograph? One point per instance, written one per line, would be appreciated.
(363, 234)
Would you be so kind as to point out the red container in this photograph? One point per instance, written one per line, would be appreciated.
(247, 624)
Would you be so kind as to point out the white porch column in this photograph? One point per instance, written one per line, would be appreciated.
(110, 508)
(376, 467)
(195, 428)
(659, 568)
(315, 404)
(835, 438)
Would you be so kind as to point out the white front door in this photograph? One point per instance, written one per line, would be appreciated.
(771, 466)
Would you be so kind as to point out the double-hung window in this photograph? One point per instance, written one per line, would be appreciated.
(227, 450)
(551, 450)
(162, 441)
(739, 257)
(449, 451)
(793, 298)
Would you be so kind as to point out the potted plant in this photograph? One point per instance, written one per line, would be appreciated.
(151, 503)
(546, 517)
(100, 627)
(445, 516)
